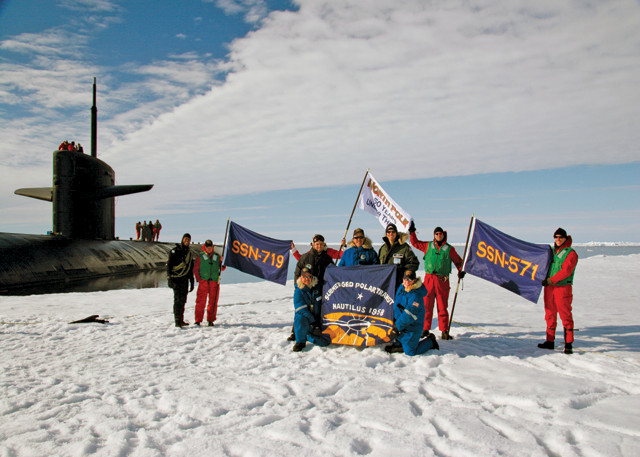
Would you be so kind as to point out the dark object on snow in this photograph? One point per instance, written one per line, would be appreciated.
(92, 318)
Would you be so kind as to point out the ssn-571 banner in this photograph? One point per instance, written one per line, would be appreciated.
(256, 254)
(516, 265)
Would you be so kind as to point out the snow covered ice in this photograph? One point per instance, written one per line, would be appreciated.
(138, 386)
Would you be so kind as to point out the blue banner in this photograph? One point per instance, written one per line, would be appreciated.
(511, 263)
(357, 304)
(257, 254)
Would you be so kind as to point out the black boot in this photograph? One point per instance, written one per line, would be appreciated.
(446, 336)
(547, 345)
(299, 347)
(432, 337)
(568, 348)
(394, 348)
(425, 334)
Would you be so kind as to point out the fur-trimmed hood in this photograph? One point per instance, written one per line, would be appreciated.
(401, 238)
(415, 285)
(366, 245)
(301, 285)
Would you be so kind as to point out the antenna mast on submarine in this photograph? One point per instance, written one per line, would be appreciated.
(94, 123)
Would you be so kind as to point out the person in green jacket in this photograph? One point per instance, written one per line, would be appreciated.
(207, 271)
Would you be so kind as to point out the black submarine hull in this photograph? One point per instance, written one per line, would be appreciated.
(39, 264)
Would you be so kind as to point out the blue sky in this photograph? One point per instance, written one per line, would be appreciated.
(523, 113)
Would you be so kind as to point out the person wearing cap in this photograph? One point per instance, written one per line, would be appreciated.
(307, 303)
(558, 291)
(408, 315)
(180, 277)
(207, 271)
(438, 256)
(316, 261)
(333, 253)
(360, 251)
(396, 251)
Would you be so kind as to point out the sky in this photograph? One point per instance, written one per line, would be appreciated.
(138, 386)
(269, 113)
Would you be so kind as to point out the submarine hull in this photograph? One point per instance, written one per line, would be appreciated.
(31, 264)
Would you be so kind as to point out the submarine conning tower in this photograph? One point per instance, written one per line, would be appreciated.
(83, 191)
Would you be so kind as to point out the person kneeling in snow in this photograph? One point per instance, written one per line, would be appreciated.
(307, 303)
(408, 313)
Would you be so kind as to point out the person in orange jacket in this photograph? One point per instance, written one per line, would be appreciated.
(207, 271)
(438, 256)
(558, 291)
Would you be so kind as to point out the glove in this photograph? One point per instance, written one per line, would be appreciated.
(545, 282)
(170, 283)
(412, 227)
(461, 274)
(191, 284)
(393, 334)
(316, 330)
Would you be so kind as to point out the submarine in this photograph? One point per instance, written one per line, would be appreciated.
(81, 253)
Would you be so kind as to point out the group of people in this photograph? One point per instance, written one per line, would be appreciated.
(415, 298)
(183, 269)
(148, 231)
(70, 146)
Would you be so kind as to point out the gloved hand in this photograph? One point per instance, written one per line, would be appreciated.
(316, 330)
(412, 227)
(170, 283)
(191, 284)
(545, 282)
(393, 334)
(461, 274)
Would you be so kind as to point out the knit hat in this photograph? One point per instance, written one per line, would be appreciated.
(318, 238)
(410, 275)
(208, 243)
(562, 232)
(391, 227)
(358, 232)
(186, 235)
(437, 229)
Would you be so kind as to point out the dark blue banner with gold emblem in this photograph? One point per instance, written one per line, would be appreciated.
(357, 304)
(256, 254)
(516, 265)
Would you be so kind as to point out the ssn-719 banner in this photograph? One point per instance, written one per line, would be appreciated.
(256, 254)
(516, 265)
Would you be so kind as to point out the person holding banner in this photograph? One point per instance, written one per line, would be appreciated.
(408, 312)
(558, 291)
(316, 261)
(307, 303)
(207, 271)
(333, 253)
(395, 251)
(360, 251)
(438, 256)
(180, 276)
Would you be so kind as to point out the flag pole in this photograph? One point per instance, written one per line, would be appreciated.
(224, 247)
(352, 211)
(466, 245)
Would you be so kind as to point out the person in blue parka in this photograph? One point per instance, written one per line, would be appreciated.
(408, 314)
(360, 251)
(307, 302)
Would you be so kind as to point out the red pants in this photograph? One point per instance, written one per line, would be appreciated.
(156, 235)
(557, 300)
(207, 289)
(437, 290)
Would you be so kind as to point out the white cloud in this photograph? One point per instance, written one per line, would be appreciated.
(410, 89)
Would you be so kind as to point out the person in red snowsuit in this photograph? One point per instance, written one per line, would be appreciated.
(138, 228)
(558, 291)
(207, 271)
(438, 256)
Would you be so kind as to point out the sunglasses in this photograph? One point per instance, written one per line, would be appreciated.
(391, 231)
(360, 237)
(558, 236)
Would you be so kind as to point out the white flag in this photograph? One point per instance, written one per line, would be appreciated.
(374, 200)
